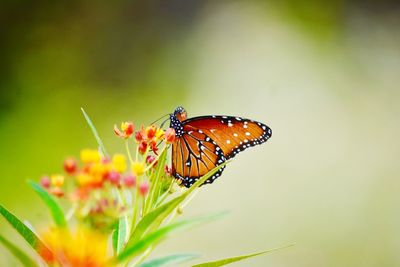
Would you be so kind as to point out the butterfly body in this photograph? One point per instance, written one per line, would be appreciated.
(205, 142)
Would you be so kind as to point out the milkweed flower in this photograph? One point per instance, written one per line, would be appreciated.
(144, 188)
(45, 181)
(126, 131)
(57, 180)
(150, 132)
(170, 135)
(81, 247)
(70, 166)
(119, 163)
(138, 168)
(129, 181)
(90, 156)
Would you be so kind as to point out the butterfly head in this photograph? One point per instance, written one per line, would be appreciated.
(180, 113)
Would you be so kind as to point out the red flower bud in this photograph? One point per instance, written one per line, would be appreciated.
(130, 181)
(113, 177)
(70, 166)
(142, 147)
(45, 182)
(143, 188)
(150, 159)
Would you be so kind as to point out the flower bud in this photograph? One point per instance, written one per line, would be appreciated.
(70, 166)
(114, 177)
(142, 147)
(143, 188)
(129, 181)
(57, 191)
(45, 181)
(150, 159)
(119, 162)
(57, 180)
(138, 168)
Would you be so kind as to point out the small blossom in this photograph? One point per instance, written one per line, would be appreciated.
(82, 247)
(159, 133)
(57, 180)
(139, 136)
(143, 188)
(90, 156)
(170, 135)
(138, 168)
(70, 166)
(57, 191)
(84, 179)
(130, 181)
(114, 177)
(151, 132)
(150, 159)
(153, 146)
(126, 130)
(142, 147)
(119, 162)
(45, 181)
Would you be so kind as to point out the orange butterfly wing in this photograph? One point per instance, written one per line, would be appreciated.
(232, 134)
(193, 155)
(208, 141)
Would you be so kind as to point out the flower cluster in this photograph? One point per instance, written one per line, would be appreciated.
(95, 183)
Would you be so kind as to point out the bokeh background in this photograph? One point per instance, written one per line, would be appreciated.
(324, 75)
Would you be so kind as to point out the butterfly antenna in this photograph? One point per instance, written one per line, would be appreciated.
(162, 124)
(159, 119)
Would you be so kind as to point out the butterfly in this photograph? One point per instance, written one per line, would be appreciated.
(205, 142)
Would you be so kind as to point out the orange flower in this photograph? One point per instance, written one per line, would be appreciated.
(70, 166)
(170, 135)
(151, 132)
(126, 131)
(79, 248)
(57, 180)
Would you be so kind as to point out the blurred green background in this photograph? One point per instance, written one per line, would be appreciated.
(324, 75)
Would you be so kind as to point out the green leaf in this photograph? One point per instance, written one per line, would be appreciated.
(55, 209)
(115, 239)
(122, 231)
(95, 133)
(156, 236)
(170, 259)
(18, 253)
(23, 230)
(157, 216)
(235, 259)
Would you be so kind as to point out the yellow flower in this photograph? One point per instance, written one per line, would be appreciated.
(81, 247)
(119, 162)
(84, 179)
(159, 133)
(57, 180)
(138, 168)
(90, 156)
